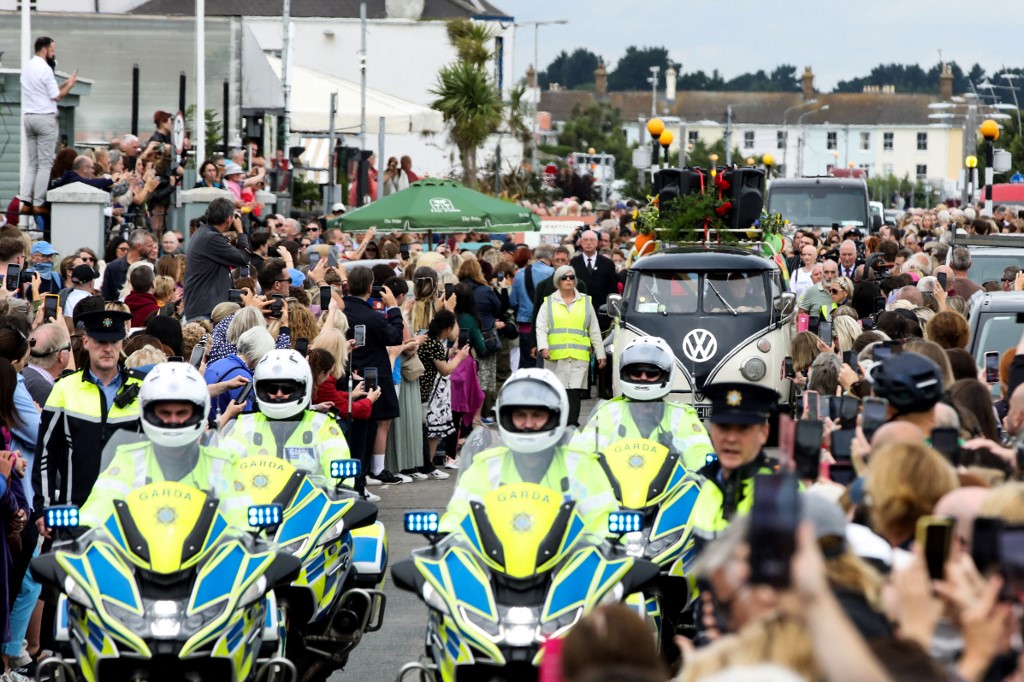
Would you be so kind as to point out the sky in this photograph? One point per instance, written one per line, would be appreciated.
(839, 40)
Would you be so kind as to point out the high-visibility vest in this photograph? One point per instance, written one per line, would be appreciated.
(568, 335)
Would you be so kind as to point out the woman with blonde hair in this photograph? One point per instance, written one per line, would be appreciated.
(845, 331)
(906, 481)
(334, 342)
(145, 356)
(933, 352)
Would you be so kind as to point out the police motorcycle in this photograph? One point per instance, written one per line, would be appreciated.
(512, 568)
(160, 574)
(643, 445)
(337, 596)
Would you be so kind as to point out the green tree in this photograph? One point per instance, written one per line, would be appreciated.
(633, 70)
(570, 70)
(598, 125)
(214, 136)
(466, 94)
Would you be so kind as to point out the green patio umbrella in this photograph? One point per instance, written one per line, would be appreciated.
(440, 206)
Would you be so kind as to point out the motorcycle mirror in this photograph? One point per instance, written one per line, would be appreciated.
(265, 515)
(346, 468)
(421, 522)
(62, 517)
(622, 522)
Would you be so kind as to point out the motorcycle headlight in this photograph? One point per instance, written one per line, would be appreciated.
(133, 621)
(76, 593)
(434, 600)
(333, 534)
(256, 591)
(613, 596)
(295, 547)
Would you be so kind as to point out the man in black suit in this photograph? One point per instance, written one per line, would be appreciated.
(382, 330)
(597, 272)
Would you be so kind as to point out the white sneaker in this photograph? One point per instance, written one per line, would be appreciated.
(404, 478)
(370, 480)
(417, 475)
(370, 497)
(455, 463)
(437, 475)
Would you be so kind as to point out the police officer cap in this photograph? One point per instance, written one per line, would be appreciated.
(739, 403)
(105, 325)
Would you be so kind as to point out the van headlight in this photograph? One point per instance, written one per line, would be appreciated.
(753, 369)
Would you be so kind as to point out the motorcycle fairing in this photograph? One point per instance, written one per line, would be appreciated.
(582, 582)
(641, 468)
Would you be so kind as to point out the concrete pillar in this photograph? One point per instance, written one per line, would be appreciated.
(193, 205)
(76, 217)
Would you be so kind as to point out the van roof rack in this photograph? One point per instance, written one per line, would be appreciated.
(994, 240)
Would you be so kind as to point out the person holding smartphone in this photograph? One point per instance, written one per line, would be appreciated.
(739, 431)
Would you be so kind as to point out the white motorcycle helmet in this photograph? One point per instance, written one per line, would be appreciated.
(535, 388)
(653, 355)
(283, 371)
(177, 382)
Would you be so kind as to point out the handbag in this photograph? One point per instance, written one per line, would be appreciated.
(412, 367)
(492, 342)
(511, 330)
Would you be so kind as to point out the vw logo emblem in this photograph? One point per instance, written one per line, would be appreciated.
(700, 345)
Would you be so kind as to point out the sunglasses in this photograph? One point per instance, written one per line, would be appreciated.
(835, 291)
(90, 259)
(284, 279)
(569, 278)
(122, 248)
(644, 373)
(312, 229)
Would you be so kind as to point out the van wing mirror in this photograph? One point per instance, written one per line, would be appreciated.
(785, 303)
(614, 305)
(876, 223)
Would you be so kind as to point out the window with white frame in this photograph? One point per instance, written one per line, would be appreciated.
(887, 141)
(865, 142)
(780, 139)
(748, 139)
(922, 170)
(833, 140)
(692, 136)
(922, 142)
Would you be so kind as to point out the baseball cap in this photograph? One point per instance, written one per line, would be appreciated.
(44, 248)
(338, 208)
(232, 168)
(509, 247)
(82, 274)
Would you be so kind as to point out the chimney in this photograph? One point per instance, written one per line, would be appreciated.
(946, 83)
(531, 77)
(670, 82)
(808, 83)
(601, 81)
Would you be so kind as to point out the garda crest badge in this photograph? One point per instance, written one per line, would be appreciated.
(733, 398)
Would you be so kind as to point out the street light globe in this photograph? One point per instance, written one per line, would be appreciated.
(666, 137)
(971, 161)
(990, 129)
(655, 127)
(750, 160)
(591, 151)
(768, 160)
(713, 157)
(851, 164)
(835, 153)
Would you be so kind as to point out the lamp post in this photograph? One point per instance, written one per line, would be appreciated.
(803, 138)
(655, 127)
(785, 130)
(990, 131)
(665, 139)
(714, 162)
(970, 178)
(536, 59)
(835, 160)
(653, 80)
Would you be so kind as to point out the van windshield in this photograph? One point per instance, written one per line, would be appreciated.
(673, 293)
(819, 205)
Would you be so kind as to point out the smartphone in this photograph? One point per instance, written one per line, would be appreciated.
(773, 522)
(850, 358)
(879, 304)
(946, 439)
(941, 276)
(50, 305)
(985, 543)
(813, 324)
(847, 412)
(992, 367)
(875, 412)
(807, 449)
(302, 346)
(825, 333)
(842, 473)
(359, 334)
(276, 305)
(235, 296)
(449, 289)
(243, 271)
(803, 320)
(198, 351)
(376, 291)
(811, 406)
(839, 445)
(403, 251)
(13, 277)
(463, 337)
(243, 395)
(325, 297)
(1011, 558)
(501, 276)
(935, 535)
(370, 378)
(787, 368)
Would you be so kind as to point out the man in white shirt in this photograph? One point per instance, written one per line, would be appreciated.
(39, 97)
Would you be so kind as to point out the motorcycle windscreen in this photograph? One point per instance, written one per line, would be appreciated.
(161, 518)
(523, 526)
(641, 468)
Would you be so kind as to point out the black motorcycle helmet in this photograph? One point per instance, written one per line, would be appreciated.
(910, 382)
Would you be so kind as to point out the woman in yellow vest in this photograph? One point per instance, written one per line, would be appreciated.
(567, 335)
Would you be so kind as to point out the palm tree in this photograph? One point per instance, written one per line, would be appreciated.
(467, 96)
